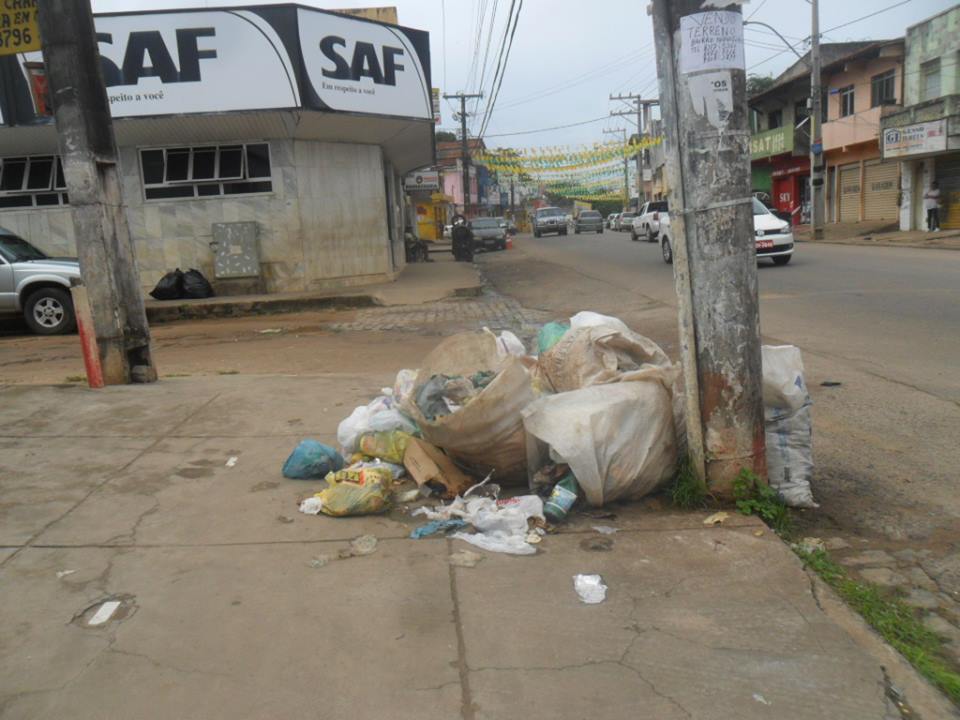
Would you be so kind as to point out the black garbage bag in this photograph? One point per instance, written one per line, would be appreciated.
(195, 285)
(170, 286)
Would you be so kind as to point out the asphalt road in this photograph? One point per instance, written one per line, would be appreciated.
(891, 312)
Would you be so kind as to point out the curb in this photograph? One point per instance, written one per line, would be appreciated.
(880, 243)
(265, 306)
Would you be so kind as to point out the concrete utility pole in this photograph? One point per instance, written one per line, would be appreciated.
(464, 148)
(707, 143)
(817, 205)
(643, 128)
(626, 167)
(89, 154)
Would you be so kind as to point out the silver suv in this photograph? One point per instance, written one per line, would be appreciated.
(548, 220)
(36, 286)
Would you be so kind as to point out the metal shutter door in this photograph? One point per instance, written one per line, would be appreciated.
(882, 191)
(948, 176)
(850, 193)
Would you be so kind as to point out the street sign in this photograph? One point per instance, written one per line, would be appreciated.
(19, 28)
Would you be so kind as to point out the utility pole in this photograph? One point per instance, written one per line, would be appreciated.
(643, 128)
(817, 205)
(626, 166)
(464, 149)
(110, 300)
(700, 63)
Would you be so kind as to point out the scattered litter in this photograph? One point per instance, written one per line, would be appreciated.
(831, 383)
(310, 460)
(717, 518)
(407, 496)
(380, 415)
(549, 475)
(64, 573)
(284, 519)
(597, 544)
(320, 561)
(465, 559)
(810, 545)
(429, 466)
(502, 526)
(562, 498)
(534, 537)
(271, 331)
(761, 699)
(436, 526)
(311, 506)
(484, 488)
(550, 334)
(403, 386)
(605, 529)
(590, 588)
(360, 546)
(104, 613)
(360, 492)
(232, 460)
(389, 446)
(507, 344)
(758, 533)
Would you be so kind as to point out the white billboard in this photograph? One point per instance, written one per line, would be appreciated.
(919, 139)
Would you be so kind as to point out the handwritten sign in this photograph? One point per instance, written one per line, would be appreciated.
(19, 29)
(711, 41)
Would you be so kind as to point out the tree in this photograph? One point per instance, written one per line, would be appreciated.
(757, 84)
(445, 136)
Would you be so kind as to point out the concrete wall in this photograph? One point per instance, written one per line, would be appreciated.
(323, 225)
(936, 37)
(864, 124)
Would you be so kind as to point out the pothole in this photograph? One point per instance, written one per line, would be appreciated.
(106, 611)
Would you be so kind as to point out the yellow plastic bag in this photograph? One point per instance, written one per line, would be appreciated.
(388, 446)
(356, 492)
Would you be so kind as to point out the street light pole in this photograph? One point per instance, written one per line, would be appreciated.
(464, 148)
(700, 64)
(817, 205)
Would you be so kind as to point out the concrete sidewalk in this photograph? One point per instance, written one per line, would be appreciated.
(882, 233)
(418, 283)
(228, 610)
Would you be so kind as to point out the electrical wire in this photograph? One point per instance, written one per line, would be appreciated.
(497, 84)
(548, 129)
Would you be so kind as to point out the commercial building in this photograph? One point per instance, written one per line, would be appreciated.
(925, 134)
(286, 128)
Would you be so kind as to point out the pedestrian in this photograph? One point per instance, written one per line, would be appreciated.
(931, 203)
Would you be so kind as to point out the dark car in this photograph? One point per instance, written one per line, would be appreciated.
(489, 233)
(589, 221)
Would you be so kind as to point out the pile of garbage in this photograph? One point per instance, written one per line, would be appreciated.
(594, 417)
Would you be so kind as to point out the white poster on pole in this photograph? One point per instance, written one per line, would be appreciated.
(711, 41)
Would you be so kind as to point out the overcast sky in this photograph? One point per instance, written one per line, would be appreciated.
(569, 55)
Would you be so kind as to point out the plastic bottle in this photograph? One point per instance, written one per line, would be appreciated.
(562, 498)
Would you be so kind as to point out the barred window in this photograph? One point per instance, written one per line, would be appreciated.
(208, 171)
(34, 181)
(883, 89)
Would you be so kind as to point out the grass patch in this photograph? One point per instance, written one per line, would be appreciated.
(76, 378)
(228, 372)
(896, 622)
(687, 492)
(755, 497)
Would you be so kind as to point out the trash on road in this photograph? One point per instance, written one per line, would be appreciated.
(596, 544)
(604, 529)
(310, 460)
(428, 466)
(319, 561)
(810, 545)
(104, 613)
(562, 498)
(465, 559)
(502, 525)
(436, 526)
(789, 429)
(718, 518)
(389, 446)
(232, 461)
(550, 334)
(590, 588)
(270, 331)
(311, 506)
(380, 415)
(360, 546)
(63, 573)
(352, 492)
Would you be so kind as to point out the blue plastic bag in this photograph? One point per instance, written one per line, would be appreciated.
(312, 460)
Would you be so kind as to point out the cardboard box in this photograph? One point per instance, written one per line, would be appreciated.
(428, 465)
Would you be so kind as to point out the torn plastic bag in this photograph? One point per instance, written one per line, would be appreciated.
(507, 344)
(380, 415)
(501, 524)
(789, 430)
(365, 492)
(601, 350)
(486, 434)
(618, 438)
(170, 286)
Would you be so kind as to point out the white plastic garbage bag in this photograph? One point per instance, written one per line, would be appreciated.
(501, 524)
(789, 430)
(618, 438)
(507, 344)
(380, 415)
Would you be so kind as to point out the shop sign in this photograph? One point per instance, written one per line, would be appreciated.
(772, 142)
(426, 180)
(792, 170)
(919, 139)
(19, 28)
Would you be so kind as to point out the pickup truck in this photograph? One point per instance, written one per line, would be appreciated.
(548, 220)
(647, 222)
(36, 286)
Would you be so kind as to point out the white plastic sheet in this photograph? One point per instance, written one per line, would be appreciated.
(501, 525)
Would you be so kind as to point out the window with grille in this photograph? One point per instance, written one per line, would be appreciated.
(930, 79)
(846, 101)
(883, 89)
(207, 171)
(33, 181)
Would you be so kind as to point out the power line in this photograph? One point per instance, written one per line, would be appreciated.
(443, 16)
(548, 129)
(757, 9)
(498, 84)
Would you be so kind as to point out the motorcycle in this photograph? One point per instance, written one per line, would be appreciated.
(462, 237)
(415, 249)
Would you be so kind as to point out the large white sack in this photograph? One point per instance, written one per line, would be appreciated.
(618, 438)
(789, 430)
(487, 433)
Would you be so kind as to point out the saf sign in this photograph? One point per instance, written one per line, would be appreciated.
(364, 61)
(147, 55)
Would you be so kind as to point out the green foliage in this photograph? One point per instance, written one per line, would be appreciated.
(687, 491)
(755, 497)
(894, 620)
(445, 136)
(757, 84)
(605, 207)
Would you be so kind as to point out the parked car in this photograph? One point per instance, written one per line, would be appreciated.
(608, 222)
(612, 220)
(548, 220)
(773, 236)
(589, 221)
(625, 221)
(647, 222)
(489, 233)
(36, 286)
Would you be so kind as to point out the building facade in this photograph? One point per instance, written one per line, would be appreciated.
(300, 123)
(924, 136)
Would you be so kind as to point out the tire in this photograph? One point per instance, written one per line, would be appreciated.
(49, 311)
(563, 232)
(650, 236)
(666, 251)
(576, 231)
(536, 233)
(634, 236)
(600, 231)
(781, 259)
